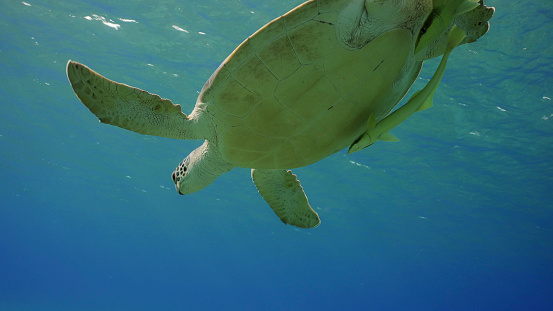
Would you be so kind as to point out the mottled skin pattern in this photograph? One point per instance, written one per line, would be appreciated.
(299, 89)
(129, 107)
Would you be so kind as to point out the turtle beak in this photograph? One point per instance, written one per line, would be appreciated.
(177, 183)
(177, 186)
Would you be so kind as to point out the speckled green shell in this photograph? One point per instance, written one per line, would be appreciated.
(291, 94)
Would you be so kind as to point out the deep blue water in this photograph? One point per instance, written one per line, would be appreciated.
(458, 215)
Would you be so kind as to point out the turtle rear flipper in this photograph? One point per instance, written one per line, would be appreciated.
(284, 194)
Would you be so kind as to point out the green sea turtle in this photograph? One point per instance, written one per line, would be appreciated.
(310, 83)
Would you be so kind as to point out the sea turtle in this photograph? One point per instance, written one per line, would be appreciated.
(310, 83)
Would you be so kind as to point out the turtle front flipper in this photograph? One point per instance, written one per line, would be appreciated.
(128, 107)
(284, 194)
(421, 100)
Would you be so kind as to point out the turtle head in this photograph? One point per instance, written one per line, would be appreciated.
(199, 169)
(184, 175)
(440, 18)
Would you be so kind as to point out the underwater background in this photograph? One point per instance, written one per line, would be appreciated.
(458, 215)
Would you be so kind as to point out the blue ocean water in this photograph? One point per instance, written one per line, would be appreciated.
(458, 215)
